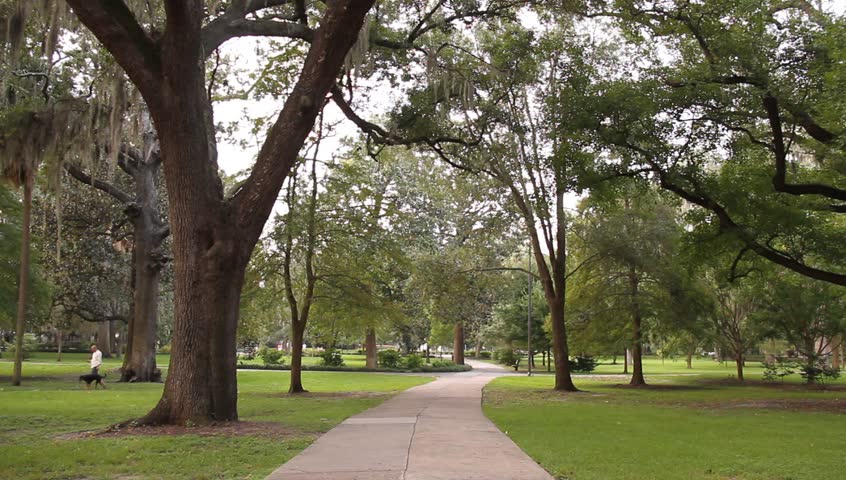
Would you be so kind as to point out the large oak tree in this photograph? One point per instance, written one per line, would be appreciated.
(214, 234)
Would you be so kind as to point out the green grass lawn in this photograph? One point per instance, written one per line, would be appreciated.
(40, 420)
(683, 427)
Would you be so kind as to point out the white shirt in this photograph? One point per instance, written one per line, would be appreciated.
(96, 359)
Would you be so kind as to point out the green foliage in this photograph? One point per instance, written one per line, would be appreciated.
(389, 359)
(30, 345)
(271, 356)
(332, 358)
(442, 363)
(506, 356)
(819, 372)
(413, 361)
(583, 364)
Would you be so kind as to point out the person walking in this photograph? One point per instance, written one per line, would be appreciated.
(96, 360)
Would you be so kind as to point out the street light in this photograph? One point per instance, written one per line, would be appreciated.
(529, 314)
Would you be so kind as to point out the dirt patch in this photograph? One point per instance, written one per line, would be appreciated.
(834, 405)
(331, 395)
(221, 429)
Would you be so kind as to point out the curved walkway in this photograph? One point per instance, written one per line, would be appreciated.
(434, 431)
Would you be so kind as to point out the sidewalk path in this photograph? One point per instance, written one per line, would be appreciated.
(434, 431)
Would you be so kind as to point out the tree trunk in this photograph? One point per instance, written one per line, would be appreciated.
(297, 331)
(689, 360)
(59, 339)
(637, 334)
(836, 352)
(209, 274)
(738, 359)
(23, 280)
(478, 353)
(370, 348)
(626, 361)
(458, 344)
(103, 340)
(561, 356)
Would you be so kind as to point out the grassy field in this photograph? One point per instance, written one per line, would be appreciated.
(40, 424)
(703, 426)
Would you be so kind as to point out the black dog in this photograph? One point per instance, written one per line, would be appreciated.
(90, 377)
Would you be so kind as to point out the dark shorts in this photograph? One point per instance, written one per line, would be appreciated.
(95, 371)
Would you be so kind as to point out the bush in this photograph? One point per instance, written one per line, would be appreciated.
(443, 363)
(30, 344)
(485, 355)
(271, 356)
(583, 364)
(413, 361)
(165, 349)
(506, 357)
(332, 358)
(389, 359)
(782, 367)
(819, 373)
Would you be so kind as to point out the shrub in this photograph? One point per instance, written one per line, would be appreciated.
(583, 364)
(820, 372)
(271, 356)
(389, 359)
(486, 355)
(413, 361)
(443, 363)
(165, 349)
(506, 357)
(332, 358)
(30, 344)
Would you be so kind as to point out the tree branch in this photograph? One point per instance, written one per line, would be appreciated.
(105, 187)
(115, 26)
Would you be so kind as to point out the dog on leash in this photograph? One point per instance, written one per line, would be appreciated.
(90, 378)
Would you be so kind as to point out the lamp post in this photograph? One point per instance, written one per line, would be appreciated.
(529, 313)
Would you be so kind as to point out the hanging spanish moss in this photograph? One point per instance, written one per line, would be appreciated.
(355, 61)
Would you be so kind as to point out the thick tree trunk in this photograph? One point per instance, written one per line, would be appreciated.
(23, 281)
(458, 344)
(370, 348)
(626, 361)
(209, 271)
(637, 334)
(297, 333)
(689, 360)
(836, 352)
(738, 359)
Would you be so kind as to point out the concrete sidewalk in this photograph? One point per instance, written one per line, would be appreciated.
(434, 431)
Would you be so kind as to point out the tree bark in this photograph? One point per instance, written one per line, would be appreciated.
(689, 360)
(637, 334)
(23, 280)
(626, 361)
(458, 344)
(104, 342)
(148, 261)
(370, 348)
(738, 359)
(297, 333)
(478, 352)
